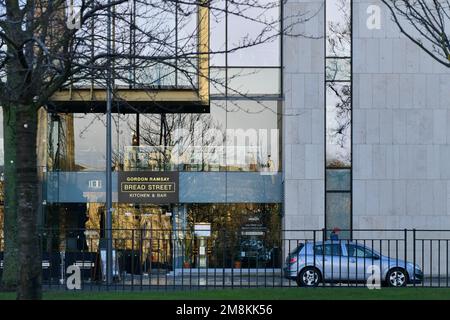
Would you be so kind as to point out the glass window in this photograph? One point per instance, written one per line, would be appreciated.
(187, 33)
(338, 27)
(253, 135)
(2, 152)
(245, 81)
(90, 141)
(338, 124)
(252, 33)
(242, 81)
(330, 250)
(359, 251)
(217, 81)
(184, 142)
(217, 32)
(338, 206)
(338, 180)
(338, 69)
(245, 232)
(123, 133)
(338, 111)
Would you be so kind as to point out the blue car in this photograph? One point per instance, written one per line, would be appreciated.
(346, 261)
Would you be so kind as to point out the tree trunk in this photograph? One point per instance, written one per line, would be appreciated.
(11, 253)
(30, 258)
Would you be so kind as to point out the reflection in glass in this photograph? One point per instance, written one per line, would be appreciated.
(182, 142)
(89, 139)
(238, 135)
(243, 234)
(253, 34)
(338, 116)
(217, 31)
(338, 124)
(253, 130)
(2, 155)
(139, 29)
(338, 43)
(243, 81)
(338, 69)
(339, 180)
(338, 206)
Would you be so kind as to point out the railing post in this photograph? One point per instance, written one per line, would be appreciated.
(406, 247)
(414, 256)
(323, 255)
(314, 245)
(132, 259)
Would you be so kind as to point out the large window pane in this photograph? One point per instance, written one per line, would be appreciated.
(338, 28)
(217, 32)
(339, 180)
(338, 115)
(253, 135)
(338, 206)
(338, 124)
(338, 69)
(245, 233)
(184, 142)
(245, 81)
(2, 152)
(252, 33)
(260, 81)
(123, 133)
(90, 141)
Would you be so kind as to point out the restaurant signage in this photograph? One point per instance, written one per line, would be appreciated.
(148, 187)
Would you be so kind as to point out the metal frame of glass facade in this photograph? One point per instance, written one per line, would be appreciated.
(338, 175)
(68, 187)
(165, 92)
(252, 81)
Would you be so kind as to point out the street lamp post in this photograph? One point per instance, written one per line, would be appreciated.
(108, 227)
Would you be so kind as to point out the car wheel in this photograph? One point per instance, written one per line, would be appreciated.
(396, 278)
(308, 277)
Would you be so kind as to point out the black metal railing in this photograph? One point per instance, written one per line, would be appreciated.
(166, 258)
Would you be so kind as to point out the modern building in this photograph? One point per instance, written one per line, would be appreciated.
(369, 147)
(333, 125)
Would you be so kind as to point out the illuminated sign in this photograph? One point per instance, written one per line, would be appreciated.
(148, 187)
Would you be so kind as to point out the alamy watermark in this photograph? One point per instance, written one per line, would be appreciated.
(374, 279)
(73, 281)
(73, 16)
(373, 21)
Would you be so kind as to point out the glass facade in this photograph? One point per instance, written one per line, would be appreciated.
(228, 160)
(338, 111)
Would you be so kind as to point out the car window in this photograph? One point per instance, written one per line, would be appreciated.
(359, 251)
(298, 249)
(330, 250)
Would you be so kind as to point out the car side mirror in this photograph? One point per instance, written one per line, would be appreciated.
(376, 257)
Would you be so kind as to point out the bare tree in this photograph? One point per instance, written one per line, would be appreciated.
(44, 47)
(425, 23)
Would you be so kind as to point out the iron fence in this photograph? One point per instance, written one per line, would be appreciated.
(178, 259)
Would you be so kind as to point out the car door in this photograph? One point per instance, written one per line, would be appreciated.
(330, 260)
(360, 258)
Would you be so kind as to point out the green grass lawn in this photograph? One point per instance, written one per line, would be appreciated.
(254, 294)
